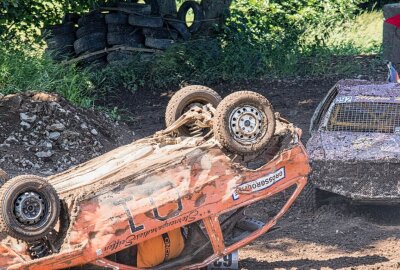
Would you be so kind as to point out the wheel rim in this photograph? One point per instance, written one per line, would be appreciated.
(29, 208)
(245, 124)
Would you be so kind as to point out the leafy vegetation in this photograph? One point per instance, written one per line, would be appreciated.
(21, 70)
(260, 39)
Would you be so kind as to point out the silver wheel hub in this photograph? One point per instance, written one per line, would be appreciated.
(29, 208)
(245, 124)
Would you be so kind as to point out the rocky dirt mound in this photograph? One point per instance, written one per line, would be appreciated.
(44, 134)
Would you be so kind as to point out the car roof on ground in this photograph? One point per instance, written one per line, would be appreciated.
(367, 88)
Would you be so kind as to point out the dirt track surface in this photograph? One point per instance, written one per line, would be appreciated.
(339, 235)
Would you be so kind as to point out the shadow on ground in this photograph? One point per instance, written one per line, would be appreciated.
(336, 263)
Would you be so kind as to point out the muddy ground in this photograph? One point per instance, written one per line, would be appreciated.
(339, 235)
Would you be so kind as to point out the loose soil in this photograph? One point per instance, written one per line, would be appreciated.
(339, 235)
(44, 134)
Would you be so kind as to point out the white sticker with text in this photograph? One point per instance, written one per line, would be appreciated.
(260, 183)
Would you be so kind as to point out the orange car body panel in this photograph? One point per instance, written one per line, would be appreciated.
(201, 184)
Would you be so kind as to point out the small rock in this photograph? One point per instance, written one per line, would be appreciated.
(54, 135)
(11, 139)
(26, 118)
(94, 132)
(84, 126)
(56, 127)
(25, 125)
(44, 154)
(4, 146)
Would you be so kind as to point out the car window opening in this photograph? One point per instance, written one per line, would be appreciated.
(365, 117)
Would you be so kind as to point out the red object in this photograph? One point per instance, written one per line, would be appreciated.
(395, 20)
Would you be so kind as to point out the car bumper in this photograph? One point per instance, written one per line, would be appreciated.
(364, 181)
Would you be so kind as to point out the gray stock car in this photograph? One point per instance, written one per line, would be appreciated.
(354, 147)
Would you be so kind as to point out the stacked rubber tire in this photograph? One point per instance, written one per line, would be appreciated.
(60, 40)
(133, 25)
(91, 37)
(121, 33)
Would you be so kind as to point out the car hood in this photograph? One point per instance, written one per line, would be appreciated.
(351, 146)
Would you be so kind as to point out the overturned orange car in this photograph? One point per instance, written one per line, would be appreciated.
(188, 184)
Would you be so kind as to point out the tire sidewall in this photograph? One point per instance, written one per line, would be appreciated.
(186, 96)
(223, 132)
(198, 15)
(21, 231)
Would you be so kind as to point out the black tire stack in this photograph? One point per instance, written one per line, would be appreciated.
(134, 25)
(120, 33)
(60, 41)
(91, 37)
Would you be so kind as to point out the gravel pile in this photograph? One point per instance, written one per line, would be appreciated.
(44, 134)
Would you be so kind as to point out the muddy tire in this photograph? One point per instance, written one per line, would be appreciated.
(181, 101)
(309, 202)
(3, 177)
(244, 122)
(198, 15)
(29, 207)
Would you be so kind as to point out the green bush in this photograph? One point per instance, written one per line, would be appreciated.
(21, 70)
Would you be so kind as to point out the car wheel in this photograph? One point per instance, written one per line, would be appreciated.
(197, 12)
(244, 122)
(29, 207)
(3, 177)
(90, 43)
(184, 99)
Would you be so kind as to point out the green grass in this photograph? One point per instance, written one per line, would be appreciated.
(23, 70)
(199, 61)
(361, 36)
